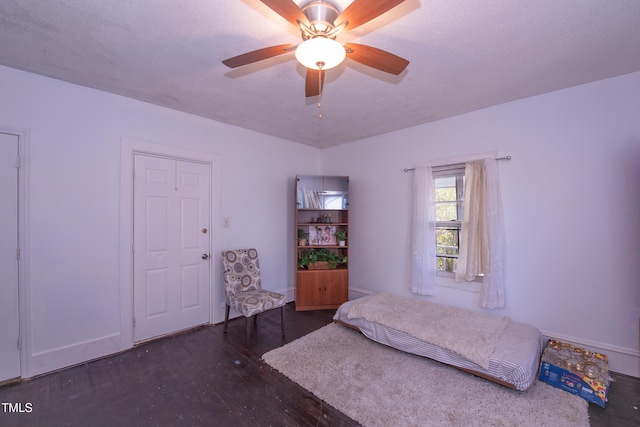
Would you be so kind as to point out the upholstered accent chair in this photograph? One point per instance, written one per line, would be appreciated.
(243, 287)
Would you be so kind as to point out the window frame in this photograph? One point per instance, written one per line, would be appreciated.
(456, 171)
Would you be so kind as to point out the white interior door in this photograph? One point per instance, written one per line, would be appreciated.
(171, 238)
(9, 317)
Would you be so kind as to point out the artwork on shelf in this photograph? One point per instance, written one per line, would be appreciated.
(322, 234)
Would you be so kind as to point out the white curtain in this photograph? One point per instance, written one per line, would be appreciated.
(423, 233)
(481, 239)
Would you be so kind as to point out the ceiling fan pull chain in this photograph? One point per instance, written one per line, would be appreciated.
(320, 64)
(319, 98)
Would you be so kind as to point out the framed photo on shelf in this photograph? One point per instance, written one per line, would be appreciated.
(322, 234)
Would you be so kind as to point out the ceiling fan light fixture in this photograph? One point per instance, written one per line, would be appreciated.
(320, 53)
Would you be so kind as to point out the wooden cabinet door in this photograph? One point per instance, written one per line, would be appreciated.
(335, 288)
(321, 289)
(308, 289)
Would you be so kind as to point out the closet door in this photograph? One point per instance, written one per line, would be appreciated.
(9, 317)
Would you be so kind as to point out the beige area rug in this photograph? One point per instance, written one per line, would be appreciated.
(380, 386)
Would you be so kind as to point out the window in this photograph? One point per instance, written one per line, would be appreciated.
(437, 251)
(449, 187)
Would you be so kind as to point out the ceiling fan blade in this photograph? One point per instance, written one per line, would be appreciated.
(362, 11)
(288, 10)
(376, 58)
(256, 55)
(312, 86)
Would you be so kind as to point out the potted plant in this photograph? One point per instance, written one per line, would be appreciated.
(320, 259)
(341, 237)
(302, 237)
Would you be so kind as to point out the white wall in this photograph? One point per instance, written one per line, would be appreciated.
(571, 198)
(73, 272)
(573, 233)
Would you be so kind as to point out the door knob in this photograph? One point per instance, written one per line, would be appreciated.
(205, 256)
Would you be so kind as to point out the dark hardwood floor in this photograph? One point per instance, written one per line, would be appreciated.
(206, 378)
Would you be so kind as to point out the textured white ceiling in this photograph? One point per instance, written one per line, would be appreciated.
(464, 55)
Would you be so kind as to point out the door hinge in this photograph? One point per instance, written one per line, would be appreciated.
(18, 162)
(19, 344)
(134, 322)
(18, 253)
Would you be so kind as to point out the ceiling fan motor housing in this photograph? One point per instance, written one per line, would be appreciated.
(321, 14)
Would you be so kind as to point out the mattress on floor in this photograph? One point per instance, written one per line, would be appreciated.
(514, 361)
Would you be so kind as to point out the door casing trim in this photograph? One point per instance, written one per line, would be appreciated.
(128, 149)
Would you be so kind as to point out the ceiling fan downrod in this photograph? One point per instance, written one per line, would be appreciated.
(321, 15)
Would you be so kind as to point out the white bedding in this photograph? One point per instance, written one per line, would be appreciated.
(467, 333)
(514, 361)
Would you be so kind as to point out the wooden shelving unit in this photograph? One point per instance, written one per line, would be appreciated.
(322, 208)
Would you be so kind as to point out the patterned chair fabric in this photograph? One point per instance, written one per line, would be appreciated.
(243, 288)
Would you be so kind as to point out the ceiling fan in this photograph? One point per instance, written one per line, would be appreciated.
(320, 22)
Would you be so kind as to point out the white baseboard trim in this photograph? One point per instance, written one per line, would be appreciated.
(290, 292)
(64, 357)
(621, 360)
(355, 293)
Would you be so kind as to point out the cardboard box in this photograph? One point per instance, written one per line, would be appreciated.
(576, 370)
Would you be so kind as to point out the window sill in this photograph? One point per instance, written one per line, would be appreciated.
(450, 282)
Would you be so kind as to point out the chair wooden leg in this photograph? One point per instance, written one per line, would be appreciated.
(282, 319)
(226, 317)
